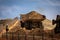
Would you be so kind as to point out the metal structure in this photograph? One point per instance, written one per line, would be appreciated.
(57, 22)
(7, 31)
(31, 24)
(32, 20)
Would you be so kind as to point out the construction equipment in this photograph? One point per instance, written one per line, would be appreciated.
(31, 24)
(57, 22)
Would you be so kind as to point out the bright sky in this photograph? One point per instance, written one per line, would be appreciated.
(12, 8)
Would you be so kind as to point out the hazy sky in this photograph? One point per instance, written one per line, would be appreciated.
(12, 8)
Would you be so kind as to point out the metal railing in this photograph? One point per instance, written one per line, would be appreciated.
(18, 36)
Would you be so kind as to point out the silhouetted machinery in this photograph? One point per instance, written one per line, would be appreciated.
(31, 24)
(57, 22)
(7, 28)
(32, 20)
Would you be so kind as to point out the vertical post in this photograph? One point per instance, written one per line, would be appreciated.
(18, 36)
(33, 37)
(12, 36)
(42, 35)
(25, 36)
(6, 35)
(52, 36)
(7, 32)
(41, 26)
(2, 35)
